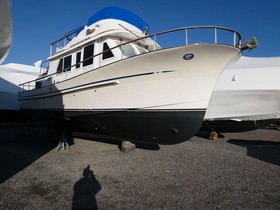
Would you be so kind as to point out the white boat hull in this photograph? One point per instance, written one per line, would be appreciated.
(248, 93)
(153, 97)
(5, 29)
(240, 105)
(11, 75)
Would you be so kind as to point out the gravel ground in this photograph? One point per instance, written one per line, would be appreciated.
(237, 171)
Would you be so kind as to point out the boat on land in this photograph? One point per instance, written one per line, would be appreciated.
(111, 77)
(5, 29)
(246, 96)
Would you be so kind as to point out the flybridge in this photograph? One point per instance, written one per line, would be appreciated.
(106, 13)
(118, 14)
(62, 42)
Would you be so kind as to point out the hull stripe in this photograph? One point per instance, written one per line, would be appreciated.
(106, 82)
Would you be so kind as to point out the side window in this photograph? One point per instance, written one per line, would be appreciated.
(67, 63)
(60, 65)
(88, 55)
(108, 53)
(78, 60)
(128, 50)
(64, 64)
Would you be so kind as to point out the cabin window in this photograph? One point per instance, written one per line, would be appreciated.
(64, 64)
(59, 67)
(107, 54)
(67, 63)
(78, 60)
(128, 50)
(88, 55)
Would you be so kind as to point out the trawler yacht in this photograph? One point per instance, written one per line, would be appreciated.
(111, 77)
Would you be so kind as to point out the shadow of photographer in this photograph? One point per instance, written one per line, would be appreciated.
(85, 191)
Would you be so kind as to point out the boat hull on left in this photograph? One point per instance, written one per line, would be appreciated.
(5, 29)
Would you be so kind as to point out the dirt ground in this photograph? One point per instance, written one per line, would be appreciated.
(237, 171)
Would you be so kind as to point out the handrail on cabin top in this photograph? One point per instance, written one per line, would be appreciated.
(236, 43)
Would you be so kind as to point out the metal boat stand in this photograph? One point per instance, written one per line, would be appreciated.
(63, 144)
(213, 135)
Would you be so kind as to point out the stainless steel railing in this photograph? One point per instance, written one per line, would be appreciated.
(207, 34)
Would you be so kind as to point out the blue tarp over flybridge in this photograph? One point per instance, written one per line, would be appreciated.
(119, 14)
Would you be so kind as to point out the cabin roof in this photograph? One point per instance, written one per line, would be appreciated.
(119, 14)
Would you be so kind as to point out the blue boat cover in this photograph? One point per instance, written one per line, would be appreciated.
(119, 14)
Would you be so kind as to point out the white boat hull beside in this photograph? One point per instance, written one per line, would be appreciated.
(246, 95)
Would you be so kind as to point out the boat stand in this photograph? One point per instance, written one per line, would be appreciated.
(127, 146)
(213, 135)
(63, 144)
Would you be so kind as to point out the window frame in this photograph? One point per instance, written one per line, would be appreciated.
(88, 55)
(78, 59)
(68, 63)
(108, 54)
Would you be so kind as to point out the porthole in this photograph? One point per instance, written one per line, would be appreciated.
(188, 56)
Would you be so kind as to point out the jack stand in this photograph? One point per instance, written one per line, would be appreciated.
(127, 146)
(63, 144)
(213, 135)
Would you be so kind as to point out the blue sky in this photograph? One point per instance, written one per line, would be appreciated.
(36, 24)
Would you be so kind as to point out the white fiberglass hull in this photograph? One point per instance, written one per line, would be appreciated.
(11, 75)
(5, 29)
(244, 105)
(248, 91)
(154, 97)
